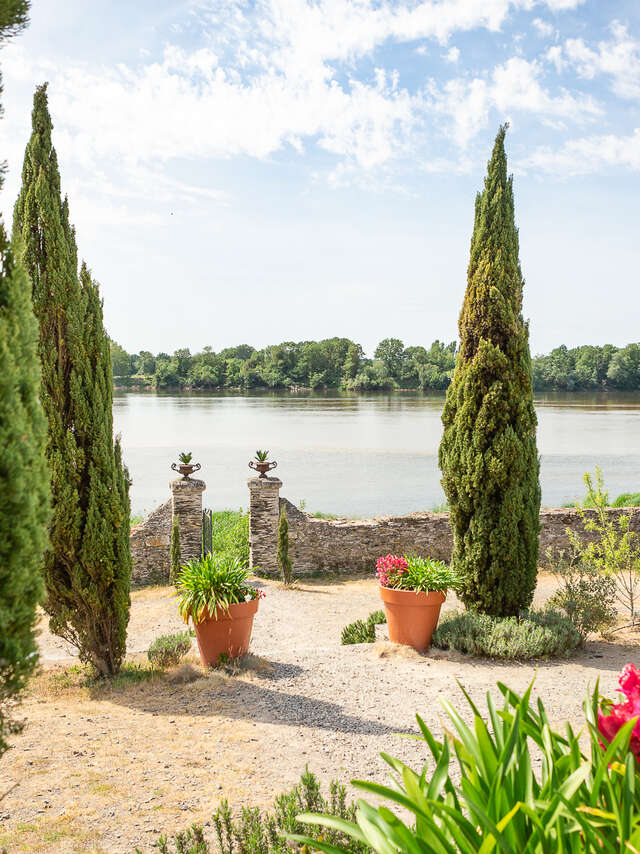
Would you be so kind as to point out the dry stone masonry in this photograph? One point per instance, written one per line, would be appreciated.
(186, 504)
(151, 540)
(319, 546)
(264, 515)
(316, 546)
(150, 547)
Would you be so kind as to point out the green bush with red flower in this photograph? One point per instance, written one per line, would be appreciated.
(420, 574)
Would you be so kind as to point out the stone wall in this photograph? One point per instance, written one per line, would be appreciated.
(150, 547)
(320, 545)
(151, 540)
(264, 516)
(186, 503)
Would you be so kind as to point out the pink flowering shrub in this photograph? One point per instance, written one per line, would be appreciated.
(389, 568)
(612, 716)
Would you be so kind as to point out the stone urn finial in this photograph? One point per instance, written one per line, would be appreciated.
(185, 467)
(261, 464)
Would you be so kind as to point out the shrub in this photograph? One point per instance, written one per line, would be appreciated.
(585, 595)
(537, 634)
(616, 549)
(492, 800)
(230, 534)
(362, 631)
(169, 650)
(256, 831)
(627, 499)
(359, 632)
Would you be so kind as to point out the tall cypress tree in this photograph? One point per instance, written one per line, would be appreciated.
(87, 568)
(24, 481)
(488, 453)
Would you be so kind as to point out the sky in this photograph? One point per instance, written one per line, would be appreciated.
(253, 171)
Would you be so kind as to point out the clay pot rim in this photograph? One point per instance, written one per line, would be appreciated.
(236, 611)
(402, 597)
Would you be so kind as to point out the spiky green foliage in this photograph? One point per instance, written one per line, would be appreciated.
(504, 782)
(488, 454)
(176, 558)
(87, 568)
(24, 481)
(14, 17)
(282, 554)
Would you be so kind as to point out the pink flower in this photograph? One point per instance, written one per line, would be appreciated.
(629, 681)
(619, 713)
(389, 567)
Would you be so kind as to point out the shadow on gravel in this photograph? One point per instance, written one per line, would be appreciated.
(226, 697)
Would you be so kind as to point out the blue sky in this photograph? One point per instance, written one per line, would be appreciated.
(286, 169)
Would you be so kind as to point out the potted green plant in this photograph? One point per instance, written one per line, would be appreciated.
(262, 464)
(185, 466)
(413, 590)
(214, 594)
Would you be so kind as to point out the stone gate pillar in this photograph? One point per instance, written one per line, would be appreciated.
(264, 515)
(186, 504)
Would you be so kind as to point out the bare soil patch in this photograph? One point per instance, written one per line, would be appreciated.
(103, 768)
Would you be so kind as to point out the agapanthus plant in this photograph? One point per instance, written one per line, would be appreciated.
(612, 716)
(420, 574)
(212, 584)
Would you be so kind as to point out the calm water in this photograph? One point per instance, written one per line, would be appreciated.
(357, 454)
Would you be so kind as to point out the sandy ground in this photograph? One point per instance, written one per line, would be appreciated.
(104, 770)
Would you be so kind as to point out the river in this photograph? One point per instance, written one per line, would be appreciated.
(357, 454)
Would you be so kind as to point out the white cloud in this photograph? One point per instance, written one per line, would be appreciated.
(587, 155)
(543, 28)
(555, 57)
(512, 87)
(618, 57)
(278, 73)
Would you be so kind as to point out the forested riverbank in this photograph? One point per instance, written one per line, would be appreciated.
(341, 363)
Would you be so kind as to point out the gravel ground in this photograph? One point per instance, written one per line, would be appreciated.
(105, 770)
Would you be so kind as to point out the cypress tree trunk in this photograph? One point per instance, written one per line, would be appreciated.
(488, 453)
(24, 480)
(87, 569)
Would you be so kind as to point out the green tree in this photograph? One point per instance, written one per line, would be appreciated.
(176, 558)
(352, 361)
(24, 480)
(488, 454)
(120, 360)
(87, 567)
(282, 554)
(390, 351)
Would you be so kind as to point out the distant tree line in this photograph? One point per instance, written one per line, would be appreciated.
(341, 363)
(332, 363)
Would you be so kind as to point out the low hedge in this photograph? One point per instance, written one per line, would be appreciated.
(536, 634)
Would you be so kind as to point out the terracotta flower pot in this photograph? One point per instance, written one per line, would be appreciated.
(411, 617)
(225, 633)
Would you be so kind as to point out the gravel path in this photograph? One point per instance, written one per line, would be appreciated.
(106, 771)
